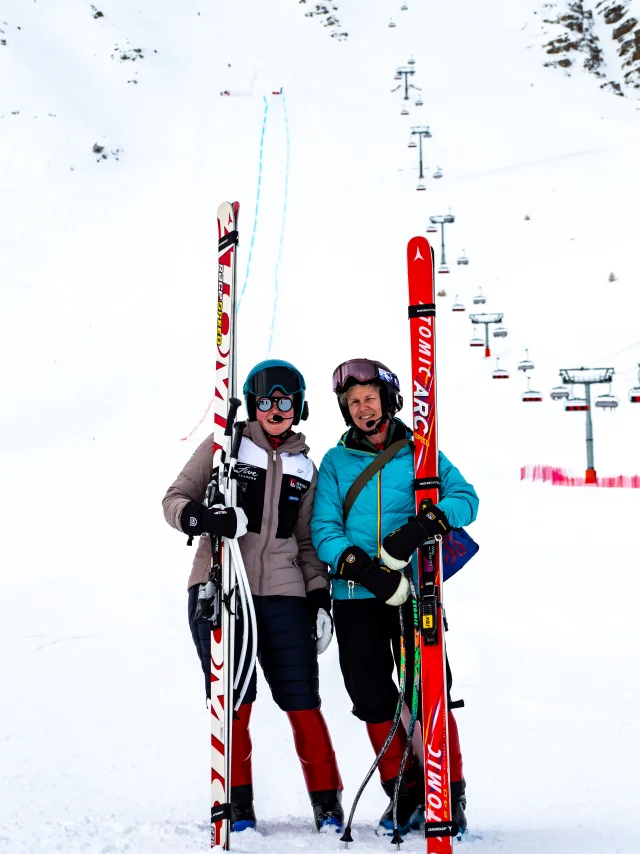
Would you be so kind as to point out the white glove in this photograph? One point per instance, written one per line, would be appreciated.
(324, 630)
(402, 593)
(241, 522)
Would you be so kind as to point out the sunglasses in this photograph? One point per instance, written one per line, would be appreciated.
(284, 404)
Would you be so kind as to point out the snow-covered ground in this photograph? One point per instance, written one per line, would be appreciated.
(106, 316)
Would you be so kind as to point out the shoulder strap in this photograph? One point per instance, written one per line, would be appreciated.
(365, 476)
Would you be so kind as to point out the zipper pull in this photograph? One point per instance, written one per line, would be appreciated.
(274, 456)
(351, 585)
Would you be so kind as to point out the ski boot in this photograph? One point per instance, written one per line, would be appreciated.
(459, 805)
(243, 815)
(327, 810)
(410, 798)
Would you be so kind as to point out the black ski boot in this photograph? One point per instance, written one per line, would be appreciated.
(410, 797)
(327, 810)
(459, 805)
(243, 815)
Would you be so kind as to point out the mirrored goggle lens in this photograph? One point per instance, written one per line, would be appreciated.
(283, 403)
(360, 370)
(284, 379)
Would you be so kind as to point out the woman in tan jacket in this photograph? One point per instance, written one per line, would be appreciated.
(289, 584)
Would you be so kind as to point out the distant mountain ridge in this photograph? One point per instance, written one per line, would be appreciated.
(601, 37)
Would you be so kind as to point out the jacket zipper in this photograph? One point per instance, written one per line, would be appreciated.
(269, 521)
(379, 512)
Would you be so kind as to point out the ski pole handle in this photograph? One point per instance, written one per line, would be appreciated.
(234, 406)
(238, 429)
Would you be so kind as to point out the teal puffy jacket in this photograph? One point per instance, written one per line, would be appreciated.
(385, 503)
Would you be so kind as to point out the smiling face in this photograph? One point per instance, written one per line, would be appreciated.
(364, 404)
(265, 419)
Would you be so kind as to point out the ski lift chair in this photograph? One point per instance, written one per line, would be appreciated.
(412, 143)
(404, 7)
(530, 396)
(443, 268)
(419, 101)
(559, 392)
(576, 404)
(476, 342)
(479, 299)
(500, 332)
(463, 260)
(500, 373)
(457, 306)
(421, 186)
(391, 24)
(431, 229)
(526, 364)
(438, 173)
(607, 401)
(411, 61)
(404, 112)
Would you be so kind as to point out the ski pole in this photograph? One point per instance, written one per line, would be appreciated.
(415, 694)
(346, 836)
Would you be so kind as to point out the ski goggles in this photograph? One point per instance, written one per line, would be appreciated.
(284, 404)
(276, 378)
(362, 371)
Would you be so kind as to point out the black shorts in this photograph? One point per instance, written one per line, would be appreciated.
(286, 650)
(368, 634)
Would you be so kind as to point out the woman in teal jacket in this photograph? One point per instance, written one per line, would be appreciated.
(379, 536)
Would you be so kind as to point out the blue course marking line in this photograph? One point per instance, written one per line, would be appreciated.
(255, 216)
(284, 220)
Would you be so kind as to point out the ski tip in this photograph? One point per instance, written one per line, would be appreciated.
(418, 249)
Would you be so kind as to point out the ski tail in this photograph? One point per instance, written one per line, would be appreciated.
(439, 827)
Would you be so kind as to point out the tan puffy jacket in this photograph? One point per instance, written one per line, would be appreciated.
(276, 490)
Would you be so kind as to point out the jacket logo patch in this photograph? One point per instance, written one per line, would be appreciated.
(247, 472)
(350, 558)
(293, 497)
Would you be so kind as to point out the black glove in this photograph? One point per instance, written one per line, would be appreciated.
(354, 564)
(399, 545)
(316, 599)
(220, 521)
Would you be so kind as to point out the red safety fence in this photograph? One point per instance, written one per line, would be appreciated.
(561, 477)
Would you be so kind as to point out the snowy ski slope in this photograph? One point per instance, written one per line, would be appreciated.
(106, 314)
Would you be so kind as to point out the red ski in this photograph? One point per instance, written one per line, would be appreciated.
(439, 828)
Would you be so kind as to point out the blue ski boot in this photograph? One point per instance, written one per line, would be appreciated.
(410, 797)
(327, 810)
(459, 805)
(243, 815)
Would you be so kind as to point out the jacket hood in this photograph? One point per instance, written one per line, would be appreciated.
(295, 444)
